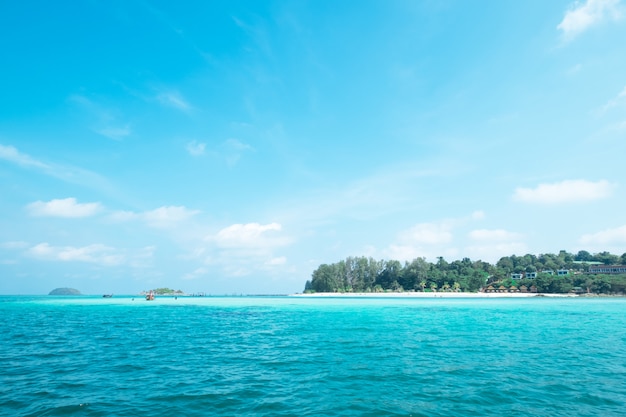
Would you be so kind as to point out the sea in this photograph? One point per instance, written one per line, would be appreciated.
(299, 356)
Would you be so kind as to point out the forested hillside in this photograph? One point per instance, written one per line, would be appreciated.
(361, 274)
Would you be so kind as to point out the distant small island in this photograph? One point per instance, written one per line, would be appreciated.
(163, 291)
(64, 291)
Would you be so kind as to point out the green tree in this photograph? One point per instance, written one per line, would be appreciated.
(583, 256)
(606, 258)
(392, 272)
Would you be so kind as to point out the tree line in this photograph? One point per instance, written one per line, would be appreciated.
(365, 274)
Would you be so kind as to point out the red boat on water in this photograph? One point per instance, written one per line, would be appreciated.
(150, 296)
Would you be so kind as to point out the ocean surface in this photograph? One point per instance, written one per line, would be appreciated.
(292, 356)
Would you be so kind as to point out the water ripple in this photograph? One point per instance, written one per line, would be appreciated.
(280, 357)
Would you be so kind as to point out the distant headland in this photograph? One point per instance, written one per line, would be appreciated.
(64, 291)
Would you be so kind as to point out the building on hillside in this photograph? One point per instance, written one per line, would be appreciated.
(607, 269)
(531, 275)
(517, 276)
(548, 271)
(562, 272)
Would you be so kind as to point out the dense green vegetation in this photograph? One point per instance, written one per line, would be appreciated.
(361, 274)
(167, 291)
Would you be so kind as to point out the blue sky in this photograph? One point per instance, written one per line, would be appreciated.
(233, 146)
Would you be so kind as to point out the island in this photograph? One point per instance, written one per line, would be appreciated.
(163, 291)
(582, 273)
(64, 291)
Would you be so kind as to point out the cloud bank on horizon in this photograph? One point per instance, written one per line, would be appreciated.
(234, 147)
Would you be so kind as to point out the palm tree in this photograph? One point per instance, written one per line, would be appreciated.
(456, 286)
(423, 284)
(446, 286)
(433, 287)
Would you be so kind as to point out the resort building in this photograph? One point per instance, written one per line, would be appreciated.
(562, 272)
(548, 271)
(517, 276)
(607, 269)
(531, 275)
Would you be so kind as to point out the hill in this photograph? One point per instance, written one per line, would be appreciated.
(64, 291)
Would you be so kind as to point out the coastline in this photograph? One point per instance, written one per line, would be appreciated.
(429, 295)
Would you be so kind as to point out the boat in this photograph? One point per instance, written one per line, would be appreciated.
(107, 295)
(150, 296)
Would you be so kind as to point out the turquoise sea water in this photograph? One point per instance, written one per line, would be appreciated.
(288, 356)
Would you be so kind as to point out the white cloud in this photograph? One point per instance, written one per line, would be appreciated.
(409, 252)
(195, 148)
(485, 235)
(11, 154)
(582, 16)
(168, 215)
(428, 240)
(173, 99)
(164, 216)
(428, 233)
(250, 235)
(605, 237)
(492, 252)
(243, 249)
(492, 244)
(67, 207)
(97, 253)
(567, 191)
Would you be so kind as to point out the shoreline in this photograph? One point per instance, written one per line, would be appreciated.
(430, 295)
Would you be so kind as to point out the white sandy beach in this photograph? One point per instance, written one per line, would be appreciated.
(433, 295)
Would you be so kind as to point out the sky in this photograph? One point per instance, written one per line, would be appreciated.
(231, 147)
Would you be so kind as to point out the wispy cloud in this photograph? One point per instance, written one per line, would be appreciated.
(605, 237)
(581, 16)
(281, 260)
(115, 133)
(97, 254)
(66, 173)
(14, 245)
(233, 149)
(104, 121)
(168, 215)
(428, 233)
(67, 207)
(162, 217)
(173, 99)
(429, 239)
(493, 235)
(249, 235)
(620, 98)
(567, 191)
(492, 252)
(195, 148)
(11, 154)
(491, 244)
(195, 274)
